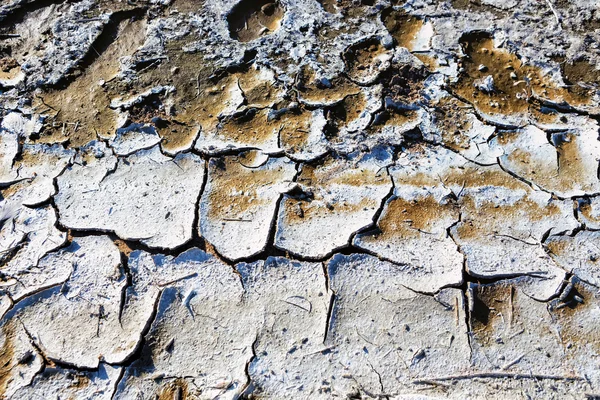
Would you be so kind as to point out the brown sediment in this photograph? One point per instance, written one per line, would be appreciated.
(81, 110)
(355, 176)
(402, 26)
(557, 247)
(235, 189)
(586, 210)
(408, 218)
(7, 356)
(200, 99)
(483, 220)
(316, 209)
(348, 8)
(514, 83)
(177, 389)
(429, 61)
(404, 83)
(123, 247)
(329, 5)
(252, 128)
(79, 381)
(187, 6)
(315, 92)
(393, 118)
(321, 177)
(510, 95)
(341, 173)
(582, 80)
(257, 92)
(250, 19)
(468, 176)
(348, 110)
(9, 68)
(295, 131)
(451, 120)
(363, 60)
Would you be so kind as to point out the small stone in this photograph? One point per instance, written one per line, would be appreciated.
(485, 85)
(387, 41)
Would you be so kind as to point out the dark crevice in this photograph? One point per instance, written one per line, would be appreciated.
(329, 320)
(248, 389)
(138, 351)
(128, 284)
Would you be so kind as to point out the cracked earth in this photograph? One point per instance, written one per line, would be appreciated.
(299, 199)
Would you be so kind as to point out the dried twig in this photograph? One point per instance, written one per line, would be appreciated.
(497, 375)
(555, 14)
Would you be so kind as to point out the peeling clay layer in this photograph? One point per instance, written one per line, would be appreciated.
(290, 199)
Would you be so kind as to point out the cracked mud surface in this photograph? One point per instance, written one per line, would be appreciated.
(299, 199)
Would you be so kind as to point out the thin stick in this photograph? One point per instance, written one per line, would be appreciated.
(497, 375)
(555, 14)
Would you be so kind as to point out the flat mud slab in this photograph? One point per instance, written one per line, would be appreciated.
(299, 199)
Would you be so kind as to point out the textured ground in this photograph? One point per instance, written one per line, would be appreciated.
(299, 199)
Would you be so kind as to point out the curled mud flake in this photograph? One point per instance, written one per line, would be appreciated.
(31, 177)
(390, 126)
(238, 205)
(134, 137)
(253, 159)
(500, 215)
(355, 112)
(409, 31)
(366, 60)
(94, 316)
(200, 107)
(249, 19)
(25, 238)
(80, 111)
